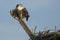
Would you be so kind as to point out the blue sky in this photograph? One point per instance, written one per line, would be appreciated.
(43, 13)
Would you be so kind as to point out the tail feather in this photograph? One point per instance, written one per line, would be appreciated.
(27, 17)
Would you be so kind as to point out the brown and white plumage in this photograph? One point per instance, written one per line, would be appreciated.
(19, 12)
(14, 14)
(22, 11)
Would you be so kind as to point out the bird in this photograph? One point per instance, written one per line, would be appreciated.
(19, 12)
(22, 11)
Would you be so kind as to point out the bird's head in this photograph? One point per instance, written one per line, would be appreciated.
(19, 7)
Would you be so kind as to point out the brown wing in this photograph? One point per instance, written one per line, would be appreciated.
(13, 13)
(25, 13)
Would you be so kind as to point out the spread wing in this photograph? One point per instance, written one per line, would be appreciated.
(14, 14)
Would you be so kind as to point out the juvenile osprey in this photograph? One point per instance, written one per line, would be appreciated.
(19, 12)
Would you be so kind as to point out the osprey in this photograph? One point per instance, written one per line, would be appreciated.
(19, 12)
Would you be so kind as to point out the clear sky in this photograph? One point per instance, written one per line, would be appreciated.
(43, 13)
